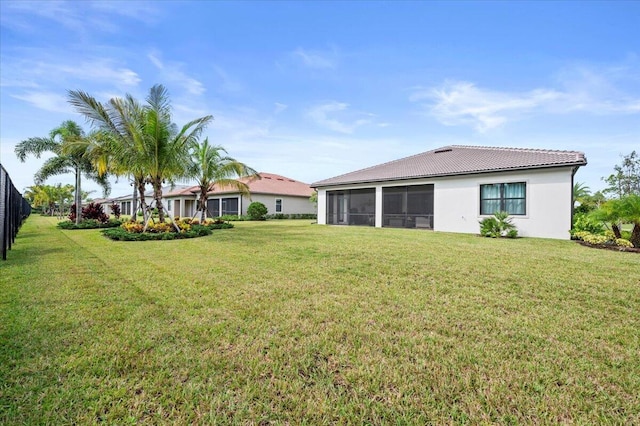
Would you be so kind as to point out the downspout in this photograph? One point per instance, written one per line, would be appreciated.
(573, 201)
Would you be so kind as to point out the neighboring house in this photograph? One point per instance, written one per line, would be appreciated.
(278, 193)
(454, 187)
(125, 201)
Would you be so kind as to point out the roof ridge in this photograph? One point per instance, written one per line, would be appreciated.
(506, 148)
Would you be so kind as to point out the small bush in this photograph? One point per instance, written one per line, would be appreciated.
(621, 242)
(499, 225)
(257, 211)
(585, 223)
(90, 211)
(279, 216)
(132, 227)
(115, 209)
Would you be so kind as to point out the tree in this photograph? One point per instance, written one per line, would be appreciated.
(143, 142)
(210, 167)
(626, 179)
(62, 142)
(120, 149)
(629, 211)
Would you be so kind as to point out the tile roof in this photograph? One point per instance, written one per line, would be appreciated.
(271, 184)
(459, 160)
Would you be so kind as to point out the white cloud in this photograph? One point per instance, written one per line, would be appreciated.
(324, 115)
(582, 90)
(25, 73)
(47, 101)
(172, 72)
(462, 103)
(315, 59)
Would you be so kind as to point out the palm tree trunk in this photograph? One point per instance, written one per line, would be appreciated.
(143, 204)
(616, 230)
(203, 206)
(78, 197)
(635, 235)
(157, 195)
(134, 203)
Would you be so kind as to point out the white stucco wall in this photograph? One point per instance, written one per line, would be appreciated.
(457, 201)
(290, 204)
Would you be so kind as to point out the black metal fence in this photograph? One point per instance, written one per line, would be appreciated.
(14, 209)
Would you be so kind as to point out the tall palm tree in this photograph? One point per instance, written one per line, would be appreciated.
(66, 160)
(210, 166)
(119, 150)
(166, 147)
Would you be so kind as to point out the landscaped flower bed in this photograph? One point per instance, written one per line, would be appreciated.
(133, 231)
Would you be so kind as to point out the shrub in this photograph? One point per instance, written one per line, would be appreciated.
(586, 223)
(90, 224)
(90, 211)
(621, 242)
(257, 211)
(115, 209)
(499, 225)
(160, 227)
(132, 227)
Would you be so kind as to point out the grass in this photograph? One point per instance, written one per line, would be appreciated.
(285, 322)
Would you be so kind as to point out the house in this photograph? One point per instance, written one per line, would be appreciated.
(454, 187)
(278, 193)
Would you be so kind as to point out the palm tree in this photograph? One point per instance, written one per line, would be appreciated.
(211, 166)
(166, 148)
(120, 148)
(580, 191)
(66, 159)
(144, 143)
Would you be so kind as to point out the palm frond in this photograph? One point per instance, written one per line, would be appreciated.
(36, 146)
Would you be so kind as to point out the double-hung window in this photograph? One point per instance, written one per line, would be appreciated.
(278, 205)
(503, 197)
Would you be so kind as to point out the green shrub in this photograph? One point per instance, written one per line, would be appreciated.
(257, 211)
(90, 224)
(500, 225)
(586, 223)
(292, 216)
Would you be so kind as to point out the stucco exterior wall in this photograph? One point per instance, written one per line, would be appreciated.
(457, 201)
(290, 204)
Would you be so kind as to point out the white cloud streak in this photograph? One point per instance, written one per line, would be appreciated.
(315, 59)
(172, 72)
(324, 115)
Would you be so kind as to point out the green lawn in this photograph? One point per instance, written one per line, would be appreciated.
(286, 322)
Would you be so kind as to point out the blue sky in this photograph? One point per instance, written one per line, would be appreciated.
(311, 90)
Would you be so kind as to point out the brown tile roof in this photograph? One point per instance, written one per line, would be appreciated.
(459, 160)
(271, 184)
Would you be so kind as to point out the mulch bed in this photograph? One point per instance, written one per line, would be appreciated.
(610, 247)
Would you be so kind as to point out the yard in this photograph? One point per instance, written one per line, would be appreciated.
(288, 322)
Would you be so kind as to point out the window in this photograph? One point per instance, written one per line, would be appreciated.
(506, 197)
(169, 202)
(230, 206)
(278, 205)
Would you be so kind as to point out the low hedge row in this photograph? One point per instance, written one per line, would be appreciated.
(90, 224)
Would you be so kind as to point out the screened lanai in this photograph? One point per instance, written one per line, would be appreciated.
(402, 207)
